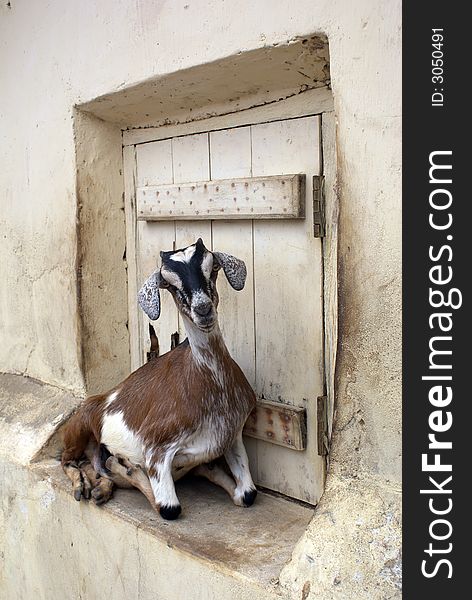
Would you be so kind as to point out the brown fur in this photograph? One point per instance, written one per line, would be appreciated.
(149, 409)
(82, 427)
(160, 417)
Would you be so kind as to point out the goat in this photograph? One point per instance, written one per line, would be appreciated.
(178, 412)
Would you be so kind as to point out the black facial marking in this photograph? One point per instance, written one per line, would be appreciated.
(190, 274)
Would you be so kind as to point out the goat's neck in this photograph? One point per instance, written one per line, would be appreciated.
(208, 349)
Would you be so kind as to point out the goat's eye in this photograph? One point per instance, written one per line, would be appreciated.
(216, 267)
(163, 283)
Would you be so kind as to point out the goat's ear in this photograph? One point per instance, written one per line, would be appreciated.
(148, 296)
(234, 268)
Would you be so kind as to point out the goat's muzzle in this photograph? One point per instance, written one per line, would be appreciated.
(204, 314)
(203, 310)
(205, 322)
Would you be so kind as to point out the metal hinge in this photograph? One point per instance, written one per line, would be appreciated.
(323, 437)
(278, 423)
(319, 224)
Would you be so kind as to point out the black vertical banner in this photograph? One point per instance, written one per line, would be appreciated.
(437, 355)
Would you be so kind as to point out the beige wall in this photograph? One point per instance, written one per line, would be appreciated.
(56, 54)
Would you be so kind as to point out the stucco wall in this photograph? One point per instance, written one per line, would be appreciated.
(56, 54)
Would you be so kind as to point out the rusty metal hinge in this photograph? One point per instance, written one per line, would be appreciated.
(278, 423)
(319, 223)
(323, 437)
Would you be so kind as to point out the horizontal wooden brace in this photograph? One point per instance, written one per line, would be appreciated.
(278, 423)
(275, 197)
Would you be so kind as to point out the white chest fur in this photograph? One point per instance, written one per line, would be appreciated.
(206, 444)
(119, 439)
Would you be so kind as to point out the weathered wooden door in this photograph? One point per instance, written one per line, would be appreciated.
(274, 327)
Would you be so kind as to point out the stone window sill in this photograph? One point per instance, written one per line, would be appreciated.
(246, 545)
(253, 542)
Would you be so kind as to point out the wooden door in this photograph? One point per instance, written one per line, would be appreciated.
(274, 327)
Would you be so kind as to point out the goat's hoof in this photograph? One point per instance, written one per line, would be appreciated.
(78, 493)
(249, 497)
(170, 512)
(102, 492)
(97, 496)
(99, 499)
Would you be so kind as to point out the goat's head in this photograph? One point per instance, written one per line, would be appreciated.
(190, 274)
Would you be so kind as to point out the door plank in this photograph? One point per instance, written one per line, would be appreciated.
(190, 158)
(288, 307)
(230, 156)
(154, 163)
(152, 238)
(191, 163)
(230, 153)
(154, 167)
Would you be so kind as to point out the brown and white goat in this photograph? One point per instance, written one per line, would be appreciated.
(179, 411)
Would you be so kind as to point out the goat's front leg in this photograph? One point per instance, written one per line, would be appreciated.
(81, 485)
(123, 472)
(101, 487)
(87, 483)
(157, 485)
(162, 483)
(236, 457)
(216, 475)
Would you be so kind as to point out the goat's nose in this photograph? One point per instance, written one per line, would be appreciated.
(203, 309)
